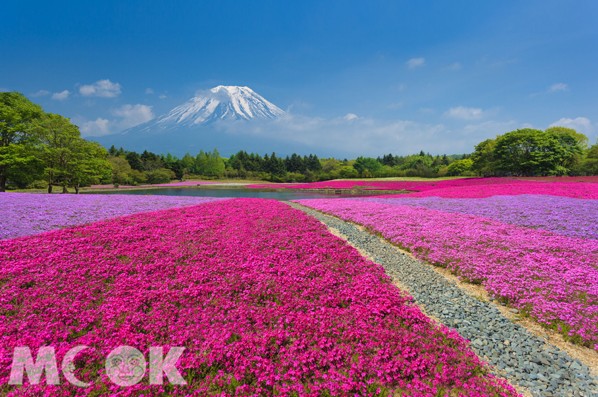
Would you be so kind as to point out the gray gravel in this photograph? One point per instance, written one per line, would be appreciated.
(522, 358)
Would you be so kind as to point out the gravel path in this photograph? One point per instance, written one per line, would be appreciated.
(522, 358)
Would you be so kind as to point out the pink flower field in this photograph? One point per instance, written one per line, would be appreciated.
(263, 298)
(551, 277)
(574, 190)
(464, 188)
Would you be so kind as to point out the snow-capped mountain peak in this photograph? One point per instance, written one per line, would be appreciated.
(222, 103)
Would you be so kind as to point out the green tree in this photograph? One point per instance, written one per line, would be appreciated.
(529, 152)
(367, 166)
(17, 116)
(295, 164)
(151, 161)
(209, 164)
(589, 164)
(574, 144)
(275, 167)
(134, 160)
(459, 167)
(60, 139)
(68, 159)
(88, 165)
(187, 163)
(483, 158)
(24, 165)
(160, 175)
(121, 170)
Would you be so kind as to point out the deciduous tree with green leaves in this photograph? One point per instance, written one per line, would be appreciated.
(531, 152)
(68, 159)
(17, 117)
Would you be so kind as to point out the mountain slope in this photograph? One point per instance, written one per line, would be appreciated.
(219, 103)
(200, 123)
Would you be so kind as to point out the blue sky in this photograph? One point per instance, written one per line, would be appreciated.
(433, 75)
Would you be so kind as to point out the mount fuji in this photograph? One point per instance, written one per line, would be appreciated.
(224, 117)
(219, 103)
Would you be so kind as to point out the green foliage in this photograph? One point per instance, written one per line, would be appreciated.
(35, 145)
(17, 116)
(68, 159)
(20, 163)
(121, 170)
(530, 152)
(483, 158)
(209, 164)
(460, 168)
(367, 166)
(160, 175)
(589, 165)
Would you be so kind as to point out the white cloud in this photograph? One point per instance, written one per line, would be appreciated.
(149, 91)
(101, 88)
(414, 63)
(344, 137)
(162, 96)
(491, 128)
(61, 96)
(126, 116)
(132, 115)
(579, 124)
(97, 127)
(558, 87)
(350, 116)
(455, 66)
(40, 93)
(464, 113)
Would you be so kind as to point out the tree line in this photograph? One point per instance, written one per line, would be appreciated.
(45, 150)
(132, 168)
(525, 152)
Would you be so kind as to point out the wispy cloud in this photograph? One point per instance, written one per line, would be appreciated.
(579, 124)
(40, 93)
(61, 96)
(345, 136)
(126, 116)
(350, 116)
(464, 113)
(149, 91)
(415, 63)
(491, 128)
(97, 127)
(554, 88)
(558, 87)
(132, 115)
(101, 88)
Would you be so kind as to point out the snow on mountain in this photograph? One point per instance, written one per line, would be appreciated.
(219, 103)
(212, 119)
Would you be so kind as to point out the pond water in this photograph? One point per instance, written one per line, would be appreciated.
(227, 192)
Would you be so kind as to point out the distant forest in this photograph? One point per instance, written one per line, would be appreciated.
(42, 150)
(525, 152)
